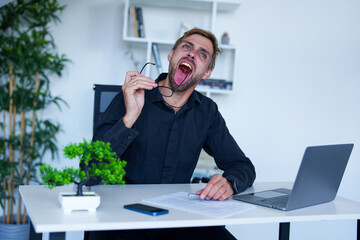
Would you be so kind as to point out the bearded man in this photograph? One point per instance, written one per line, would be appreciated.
(160, 127)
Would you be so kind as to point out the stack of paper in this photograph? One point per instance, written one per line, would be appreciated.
(219, 209)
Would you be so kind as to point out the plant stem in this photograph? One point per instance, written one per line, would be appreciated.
(9, 210)
(22, 136)
(33, 126)
(79, 191)
(4, 180)
(4, 215)
(13, 152)
(32, 136)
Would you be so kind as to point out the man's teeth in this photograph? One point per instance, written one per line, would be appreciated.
(187, 65)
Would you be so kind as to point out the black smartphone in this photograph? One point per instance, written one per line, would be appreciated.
(142, 208)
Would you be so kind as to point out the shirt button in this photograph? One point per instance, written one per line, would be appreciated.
(129, 137)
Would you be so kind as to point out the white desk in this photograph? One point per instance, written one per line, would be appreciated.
(47, 216)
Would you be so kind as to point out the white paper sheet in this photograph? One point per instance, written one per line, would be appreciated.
(219, 209)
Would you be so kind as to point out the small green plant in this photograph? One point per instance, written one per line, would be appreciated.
(107, 166)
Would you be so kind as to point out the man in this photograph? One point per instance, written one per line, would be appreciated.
(159, 127)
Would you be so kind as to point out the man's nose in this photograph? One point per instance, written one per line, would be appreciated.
(191, 54)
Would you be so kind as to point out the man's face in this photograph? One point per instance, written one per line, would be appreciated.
(189, 62)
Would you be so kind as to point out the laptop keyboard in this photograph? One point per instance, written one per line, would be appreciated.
(280, 201)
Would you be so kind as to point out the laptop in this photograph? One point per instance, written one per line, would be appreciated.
(317, 180)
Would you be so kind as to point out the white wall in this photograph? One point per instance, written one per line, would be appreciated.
(298, 81)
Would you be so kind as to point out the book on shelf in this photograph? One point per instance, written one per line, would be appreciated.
(140, 21)
(133, 22)
(137, 22)
(155, 50)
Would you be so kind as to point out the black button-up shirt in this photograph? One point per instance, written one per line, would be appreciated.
(164, 147)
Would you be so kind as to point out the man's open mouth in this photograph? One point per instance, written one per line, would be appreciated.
(184, 71)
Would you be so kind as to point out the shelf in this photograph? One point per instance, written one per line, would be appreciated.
(222, 6)
(209, 91)
(168, 42)
(202, 14)
(148, 40)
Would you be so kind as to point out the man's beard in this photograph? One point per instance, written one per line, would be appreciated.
(186, 84)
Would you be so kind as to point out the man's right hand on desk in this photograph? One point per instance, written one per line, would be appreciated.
(218, 188)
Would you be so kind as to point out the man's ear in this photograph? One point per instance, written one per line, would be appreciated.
(207, 74)
(170, 54)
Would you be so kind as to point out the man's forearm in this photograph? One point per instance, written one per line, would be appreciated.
(119, 136)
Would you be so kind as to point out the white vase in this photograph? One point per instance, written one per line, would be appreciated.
(70, 202)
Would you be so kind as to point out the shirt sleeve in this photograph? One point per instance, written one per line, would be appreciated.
(219, 144)
(112, 129)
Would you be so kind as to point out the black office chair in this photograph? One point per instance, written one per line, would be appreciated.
(104, 94)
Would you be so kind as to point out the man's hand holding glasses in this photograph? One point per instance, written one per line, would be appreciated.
(134, 94)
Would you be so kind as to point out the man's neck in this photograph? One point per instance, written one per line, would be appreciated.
(178, 99)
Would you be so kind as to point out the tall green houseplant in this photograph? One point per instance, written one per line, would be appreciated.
(27, 58)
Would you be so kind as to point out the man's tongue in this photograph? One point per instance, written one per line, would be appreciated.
(181, 73)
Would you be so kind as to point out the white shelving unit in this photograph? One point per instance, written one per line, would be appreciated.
(175, 13)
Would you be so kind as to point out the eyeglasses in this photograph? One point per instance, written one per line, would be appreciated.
(163, 90)
(146, 65)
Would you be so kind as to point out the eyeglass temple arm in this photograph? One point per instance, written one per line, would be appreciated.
(146, 65)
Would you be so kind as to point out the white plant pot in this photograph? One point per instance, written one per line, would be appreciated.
(70, 202)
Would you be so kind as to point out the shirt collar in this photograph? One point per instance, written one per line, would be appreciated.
(155, 96)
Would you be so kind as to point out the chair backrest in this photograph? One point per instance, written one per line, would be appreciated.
(103, 95)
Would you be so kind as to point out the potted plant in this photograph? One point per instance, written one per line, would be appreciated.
(27, 58)
(107, 166)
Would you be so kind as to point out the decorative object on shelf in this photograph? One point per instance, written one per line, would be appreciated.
(225, 39)
(97, 161)
(184, 27)
(28, 57)
(135, 61)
